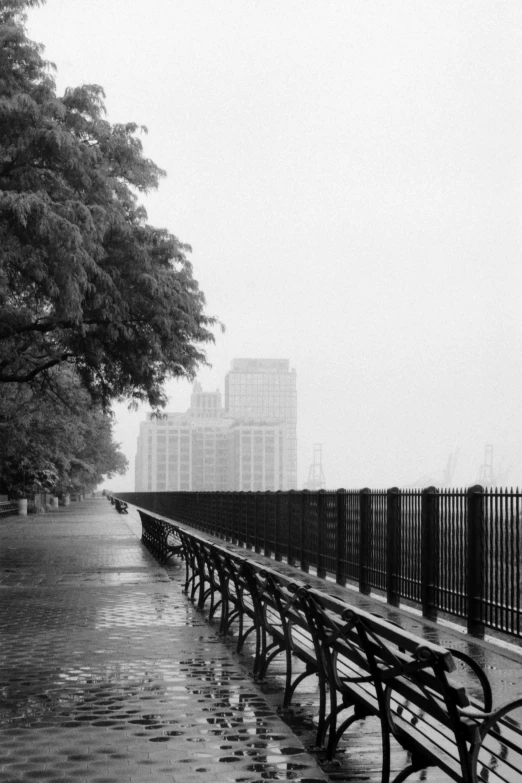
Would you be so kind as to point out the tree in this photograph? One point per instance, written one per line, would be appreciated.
(84, 279)
(54, 438)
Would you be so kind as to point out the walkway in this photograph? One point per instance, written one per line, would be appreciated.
(109, 675)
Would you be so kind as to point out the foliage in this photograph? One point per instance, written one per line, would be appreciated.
(54, 439)
(84, 280)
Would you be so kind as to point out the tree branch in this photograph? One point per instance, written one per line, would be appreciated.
(31, 374)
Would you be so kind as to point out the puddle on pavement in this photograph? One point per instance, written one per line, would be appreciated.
(90, 684)
(114, 579)
(239, 730)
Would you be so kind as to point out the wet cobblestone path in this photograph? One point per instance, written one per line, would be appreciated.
(109, 675)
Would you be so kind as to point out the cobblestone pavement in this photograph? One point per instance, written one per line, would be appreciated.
(108, 674)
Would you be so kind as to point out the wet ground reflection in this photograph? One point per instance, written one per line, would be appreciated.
(107, 673)
(105, 677)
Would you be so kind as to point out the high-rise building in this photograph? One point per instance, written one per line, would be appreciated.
(185, 451)
(261, 397)
(250, 444)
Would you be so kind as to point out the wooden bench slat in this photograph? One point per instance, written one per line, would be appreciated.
(438, 753)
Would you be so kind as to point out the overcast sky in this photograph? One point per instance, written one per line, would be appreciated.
(349, 176)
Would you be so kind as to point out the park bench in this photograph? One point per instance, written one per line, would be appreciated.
(225, 580)
(241, 599)
(435, 702)
(285, 619)
(215, 577)
(413, 686)
(203, 581)
(161, 538)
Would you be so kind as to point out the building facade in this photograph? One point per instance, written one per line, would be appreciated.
(261, 398)
(248, 444)
(184, 451)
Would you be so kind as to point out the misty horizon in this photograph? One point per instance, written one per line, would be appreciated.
(349, 178)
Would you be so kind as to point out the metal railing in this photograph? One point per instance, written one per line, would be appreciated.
(455, 551)
(8, 508)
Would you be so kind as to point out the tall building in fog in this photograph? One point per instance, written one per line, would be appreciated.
(249, 444)
(260, 397)
(185, 451)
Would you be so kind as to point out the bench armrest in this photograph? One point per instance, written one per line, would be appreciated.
(487, 696)
(498, 714)
(499, 745)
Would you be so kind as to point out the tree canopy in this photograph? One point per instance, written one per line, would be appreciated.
(85, 281)
(54, 438)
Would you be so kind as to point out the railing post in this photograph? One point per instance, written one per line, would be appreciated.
(194, 510)
(243, 516)
(223, 516)
(321, 530)
(340, 553)
(290, 553)
(429, 551)
(475, 581)
(230, 515)
(226, 521)
(305, 565)
(245, 529)
(278, 537)
(257, 548)
(365, 521)
(265, 515)
(393, 521)
(219, 514)
(236, 498)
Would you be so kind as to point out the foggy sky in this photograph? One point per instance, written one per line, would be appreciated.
(348, 174)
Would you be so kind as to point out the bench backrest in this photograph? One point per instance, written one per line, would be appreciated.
(411, 679)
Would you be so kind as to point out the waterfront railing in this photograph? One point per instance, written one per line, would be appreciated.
(453, 552)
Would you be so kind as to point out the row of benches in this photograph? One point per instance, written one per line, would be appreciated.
(120, 505)
(364, 663)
